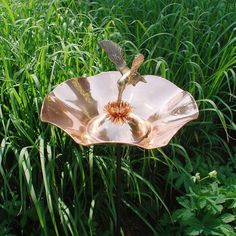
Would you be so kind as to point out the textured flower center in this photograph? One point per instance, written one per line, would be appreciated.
(118, 112)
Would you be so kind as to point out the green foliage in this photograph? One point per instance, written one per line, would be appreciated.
(51, 186)
(208, 210)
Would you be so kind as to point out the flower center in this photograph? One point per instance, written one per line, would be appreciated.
(118, 112)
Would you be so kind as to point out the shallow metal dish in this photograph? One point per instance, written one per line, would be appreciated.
(159, 110)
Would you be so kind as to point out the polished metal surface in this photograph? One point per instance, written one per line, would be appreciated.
(129, 75)
(159, 110)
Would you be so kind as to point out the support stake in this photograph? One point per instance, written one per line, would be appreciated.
(118, 190)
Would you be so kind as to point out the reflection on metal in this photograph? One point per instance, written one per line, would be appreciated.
(159, 110)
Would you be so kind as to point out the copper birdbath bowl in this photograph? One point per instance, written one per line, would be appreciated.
(158, 110)
(105, 109)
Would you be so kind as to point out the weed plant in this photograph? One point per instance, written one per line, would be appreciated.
(51, 186)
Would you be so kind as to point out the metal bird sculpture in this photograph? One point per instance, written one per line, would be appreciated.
(129, 75)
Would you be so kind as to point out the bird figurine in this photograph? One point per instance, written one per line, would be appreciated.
(129, 75)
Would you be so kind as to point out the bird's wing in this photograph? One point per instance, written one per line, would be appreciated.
(135, 77)
(115, 54)
(137, 62)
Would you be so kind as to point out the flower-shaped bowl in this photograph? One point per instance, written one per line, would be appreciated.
(159, 110)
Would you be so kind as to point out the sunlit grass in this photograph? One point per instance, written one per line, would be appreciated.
(51, 186)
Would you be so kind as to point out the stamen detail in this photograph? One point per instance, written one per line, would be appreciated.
(118, 112)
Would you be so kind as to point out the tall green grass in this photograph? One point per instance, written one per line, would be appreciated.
(51, 186)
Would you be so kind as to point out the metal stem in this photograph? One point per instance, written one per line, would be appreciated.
(118, 190)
